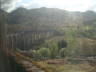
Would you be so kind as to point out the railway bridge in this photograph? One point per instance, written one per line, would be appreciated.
(29, 39)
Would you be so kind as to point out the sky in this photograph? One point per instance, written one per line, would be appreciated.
(70, 5)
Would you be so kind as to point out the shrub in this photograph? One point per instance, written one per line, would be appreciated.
(54, 50)
(44, 52)
(62, 52)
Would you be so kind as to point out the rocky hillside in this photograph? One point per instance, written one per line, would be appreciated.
(50, 17)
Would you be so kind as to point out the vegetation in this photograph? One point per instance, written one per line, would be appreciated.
(44, 52)
(62, 52)
(57, 39)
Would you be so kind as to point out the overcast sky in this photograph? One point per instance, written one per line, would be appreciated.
(70, 5)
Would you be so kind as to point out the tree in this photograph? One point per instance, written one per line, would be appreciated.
(62, 52)
(71, 38)
(54, 50)
(44, 52)
(62, 44)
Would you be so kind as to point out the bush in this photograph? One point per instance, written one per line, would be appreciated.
(44, 52)
(62, 52)
(54, 50)
(35, 55)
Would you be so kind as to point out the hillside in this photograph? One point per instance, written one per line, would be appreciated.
(49, 40)
(83, 24)
(49, 18)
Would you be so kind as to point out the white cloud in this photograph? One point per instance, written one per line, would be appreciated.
(71, 5)
(13, 5)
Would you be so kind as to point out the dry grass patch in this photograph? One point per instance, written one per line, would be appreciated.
(54, 66)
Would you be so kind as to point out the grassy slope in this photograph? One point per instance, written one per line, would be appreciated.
(84, 67)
